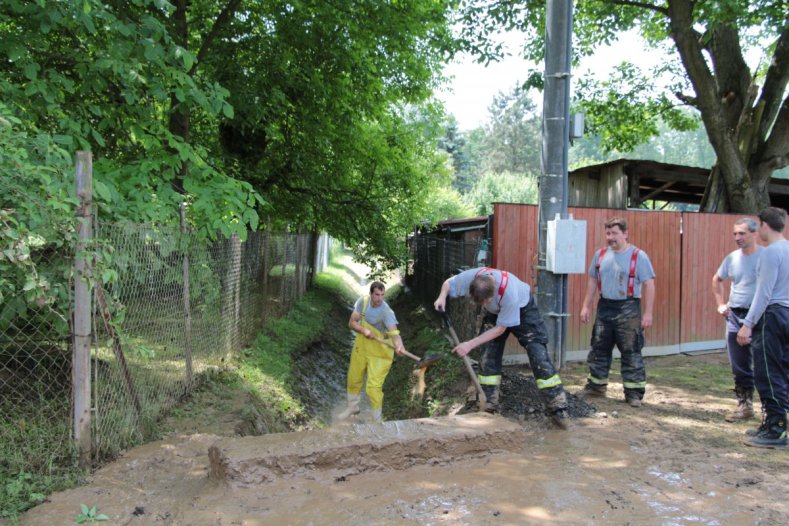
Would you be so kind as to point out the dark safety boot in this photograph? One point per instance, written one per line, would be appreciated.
(491, 398)
(772, 437)
(633, 399)
(744, 409)
(763, 426)
(592, 391)
(557, 408)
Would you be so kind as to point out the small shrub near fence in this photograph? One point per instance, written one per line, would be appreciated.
(434, 259)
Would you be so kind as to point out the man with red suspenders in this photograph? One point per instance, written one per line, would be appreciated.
(509, 309)
(620, 273)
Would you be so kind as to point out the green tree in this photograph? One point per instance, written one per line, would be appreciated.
(505, 187)
(512, 141)
(453, 142)
(314, 113)
(744, 112)
(105, 77)
(447, 203)
(331, 120)
(691, 148)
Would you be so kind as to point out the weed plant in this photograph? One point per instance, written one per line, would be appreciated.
(37, 456)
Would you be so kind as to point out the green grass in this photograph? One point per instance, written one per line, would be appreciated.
(37, 456)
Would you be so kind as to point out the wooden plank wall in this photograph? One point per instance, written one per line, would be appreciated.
(654, 232)
(706, 240)
(683, 262)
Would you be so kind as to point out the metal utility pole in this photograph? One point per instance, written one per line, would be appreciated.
(553, 196)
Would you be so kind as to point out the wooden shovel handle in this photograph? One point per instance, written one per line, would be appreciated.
(389, 344)
(483, 400)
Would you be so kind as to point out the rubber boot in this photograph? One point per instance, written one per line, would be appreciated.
(744, 409)
(591, 390)
(491, 398)
(353, 407)
(376, 416)
(557, 407)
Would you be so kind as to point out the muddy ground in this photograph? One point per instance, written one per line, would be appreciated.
(672, 461)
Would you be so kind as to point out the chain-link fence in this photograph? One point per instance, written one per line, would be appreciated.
(433, 260)
(36, 260)
(154, 335)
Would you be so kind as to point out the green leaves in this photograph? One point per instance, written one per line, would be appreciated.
(89, 515)
(706, 71)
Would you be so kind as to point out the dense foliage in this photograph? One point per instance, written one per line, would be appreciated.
(309, 113)
(744, 111)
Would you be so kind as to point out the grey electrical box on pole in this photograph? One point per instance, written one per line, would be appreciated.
(566, 246)
(551, 286)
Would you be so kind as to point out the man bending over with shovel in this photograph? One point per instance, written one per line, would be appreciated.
(372, 319)
(509, 309)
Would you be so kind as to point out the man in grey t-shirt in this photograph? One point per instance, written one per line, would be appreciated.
(766, 327)
(620, 272)
(739, 267)
(509, 309)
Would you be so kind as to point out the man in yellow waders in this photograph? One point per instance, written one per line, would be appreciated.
(371, 318)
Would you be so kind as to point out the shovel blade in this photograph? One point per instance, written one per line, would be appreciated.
(428, 361)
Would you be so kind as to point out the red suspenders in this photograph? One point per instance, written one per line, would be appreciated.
(631, 280)
(505, 278)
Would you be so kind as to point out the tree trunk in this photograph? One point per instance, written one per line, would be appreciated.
(725, 100)
(179, 115)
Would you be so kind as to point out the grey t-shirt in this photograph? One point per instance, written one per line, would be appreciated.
(741, 270)
(772, 280)
(379, 317)
(615, 272)
(507, 306)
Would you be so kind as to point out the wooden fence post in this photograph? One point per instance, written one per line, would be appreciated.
(80, 367)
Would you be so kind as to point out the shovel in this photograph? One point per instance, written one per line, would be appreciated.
(422, 363)
(421, 367)
(391, 346)
(456, 341)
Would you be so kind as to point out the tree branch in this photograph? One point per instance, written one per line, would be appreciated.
(220, 23)
(642, 5)
(732, 75)
(776, 147)
(775, 82)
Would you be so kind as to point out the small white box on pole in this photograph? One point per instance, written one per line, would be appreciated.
(566, 246)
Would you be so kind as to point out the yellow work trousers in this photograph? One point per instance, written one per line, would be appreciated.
(375, 359)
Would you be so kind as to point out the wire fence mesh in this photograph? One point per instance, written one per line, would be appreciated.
(36, 258)
(174, 308)
(434, 259)
(154, 335)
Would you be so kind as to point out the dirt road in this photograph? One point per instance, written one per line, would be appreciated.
(672, 461)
